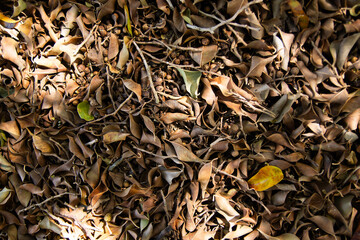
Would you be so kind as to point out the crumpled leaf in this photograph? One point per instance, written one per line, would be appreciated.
(46, 223)
(42, 144)
(192, 81)
(174, 117)
(83, 109)
(9, 52)
(241, 230)
(344, 49)
(185, 154)
(355, 10)
(111, 137)
(298, 12)
(5, 165)
(133, 86)
(204, 55)
(258, 65)
(4, 194)
(204, 175)
(266, 178)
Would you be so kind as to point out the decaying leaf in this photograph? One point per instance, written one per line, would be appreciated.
(204, 55)
(266, 178)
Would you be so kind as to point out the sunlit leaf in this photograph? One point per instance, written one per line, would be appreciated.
(355, 10)
(266, 178)
(192, 81)
(124, 54)
(5, 165)
(7, 22)
(128, 20)
(46, 223)
(18, 8)
(298, 12)
(83, 109)
(4, 194)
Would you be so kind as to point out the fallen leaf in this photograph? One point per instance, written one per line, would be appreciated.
(173, 117)
(134, 87)
(204, 55)
(9, 52)
(258, 65)
(7, 22)
(83, 110)
(185, 154)
(344, 49)
(192, 81)
(111, 137)
(266, 178)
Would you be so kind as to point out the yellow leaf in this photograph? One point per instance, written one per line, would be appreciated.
(298, 12)
(266, 178)
(7, 22)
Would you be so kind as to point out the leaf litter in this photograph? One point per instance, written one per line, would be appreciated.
(179, 120)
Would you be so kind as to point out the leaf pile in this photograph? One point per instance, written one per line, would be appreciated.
(179, 119)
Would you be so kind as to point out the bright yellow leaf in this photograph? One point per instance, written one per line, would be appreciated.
(266, 178)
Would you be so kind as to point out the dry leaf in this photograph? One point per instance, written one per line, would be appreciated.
(266, 178)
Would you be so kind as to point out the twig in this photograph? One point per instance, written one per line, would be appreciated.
(325, 60)
(241, 181)
(148, 73)
(165, 206)
(107, 115)
(154, 154)
(212, 29)
(86, 39)
(43, 202)
(181, 66)
(229, 23)
(247, 103)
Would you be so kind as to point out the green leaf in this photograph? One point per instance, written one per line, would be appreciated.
(83, 109)
(6, 92)
(186, 16)
(19, 8)
(192, 80)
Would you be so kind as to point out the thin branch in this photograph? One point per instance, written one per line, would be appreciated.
(212, 29)
(229, 23)
(86, 39)
(154, 154)
(107, 115)
(43, 202)
(181, 66)
(148, 72)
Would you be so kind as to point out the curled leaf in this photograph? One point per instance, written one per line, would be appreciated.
(192, 80)
(266, 178)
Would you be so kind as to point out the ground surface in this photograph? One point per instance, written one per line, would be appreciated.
(146, 119)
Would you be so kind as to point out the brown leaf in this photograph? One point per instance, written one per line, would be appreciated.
(32, 189)
(11, 127)
(204, 55)
(324, 223)
(41, 144)
(8, 52)
(258, 65)
(204, 176)
(111, 137)
(174, 117)
(134, 87)
(185, 154)
(113, 46)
